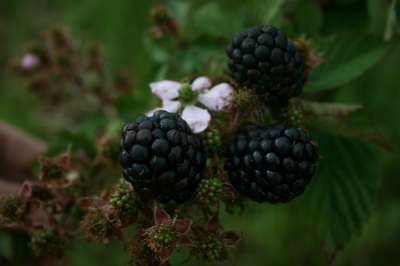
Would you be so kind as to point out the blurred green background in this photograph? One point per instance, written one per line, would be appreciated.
(273, 235)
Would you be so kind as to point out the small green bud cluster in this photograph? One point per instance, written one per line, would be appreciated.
(160, 238)
(245, 99)
(46, 242)
(212, 141)
(209, 191)
(52, 171)
(123, 203)
(97, 227)
(12, 208)
(211, 248)
(142, 255)
(123, 197)
(293, 115)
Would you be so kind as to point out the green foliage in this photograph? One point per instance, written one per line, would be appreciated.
(308, 18)
(208, 16)
(362, 68)
(377, 11)
(271, 11)
(340, 201)
(46, 243)
(346, 58)
(79, 142)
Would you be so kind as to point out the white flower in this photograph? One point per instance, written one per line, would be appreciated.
(29, 61)
(182, 98)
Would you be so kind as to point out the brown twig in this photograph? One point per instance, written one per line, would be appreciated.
(7, 188)
(18, 150)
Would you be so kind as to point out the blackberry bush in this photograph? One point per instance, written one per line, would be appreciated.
(161, 157)
(263, 59)
(198, 145)
(272, 164)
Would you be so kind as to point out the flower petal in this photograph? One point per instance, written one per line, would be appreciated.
(197, 118)
(182, 226)
(170, 106)
(166, 90)
(217, 98)
(160, 216)
(201, 83)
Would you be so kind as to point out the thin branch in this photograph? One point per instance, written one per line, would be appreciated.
(7, 188)
(18, 150)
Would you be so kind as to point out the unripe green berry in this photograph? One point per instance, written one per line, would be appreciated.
(293, 115)
(123, 197)
(212, 141)
(12, 208)
(210, 191)
(245, 99)
(160, 238)
(46, 243)
(211, 248)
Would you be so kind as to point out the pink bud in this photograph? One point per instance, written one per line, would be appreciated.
(26, 190)
(29, 61)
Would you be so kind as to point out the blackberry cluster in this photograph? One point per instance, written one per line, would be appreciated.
(161, 157)
(272, 164)
(263, 59)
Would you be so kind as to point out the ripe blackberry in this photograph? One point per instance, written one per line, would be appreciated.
(272, 164)
(161, 157)
(263, 59)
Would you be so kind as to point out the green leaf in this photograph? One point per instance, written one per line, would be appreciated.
(377, 11)
(346, 59)
(340, 199)
(211, 19)
(273, 11)
(78, 141)
(308, 18)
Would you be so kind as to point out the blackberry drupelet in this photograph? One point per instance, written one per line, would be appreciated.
(272, 164)
(263, 59)
(161, 157)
